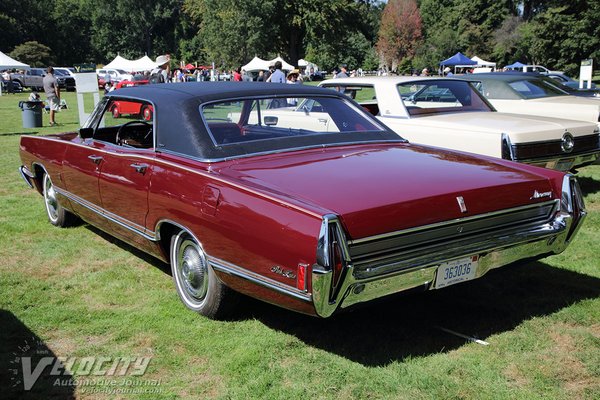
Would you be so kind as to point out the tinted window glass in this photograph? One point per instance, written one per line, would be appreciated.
(433, 97)
(536, 88)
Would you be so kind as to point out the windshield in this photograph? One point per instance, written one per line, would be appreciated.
(536, 88)
(435, 97)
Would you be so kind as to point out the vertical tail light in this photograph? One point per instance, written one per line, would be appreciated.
(332, 254)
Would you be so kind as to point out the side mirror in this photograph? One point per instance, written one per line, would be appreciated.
(86, 133)
(270, 120)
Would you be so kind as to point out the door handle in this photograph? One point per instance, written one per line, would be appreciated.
(95, 159)
(323, 120)
(140, 168)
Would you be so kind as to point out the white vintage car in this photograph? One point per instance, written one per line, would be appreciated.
(451, 113)
(521, 93)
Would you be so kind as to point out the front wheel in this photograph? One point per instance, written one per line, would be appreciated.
(196, 283)
(57, 215)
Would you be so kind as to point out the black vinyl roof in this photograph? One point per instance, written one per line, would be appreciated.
(179, 127)
(208, 91)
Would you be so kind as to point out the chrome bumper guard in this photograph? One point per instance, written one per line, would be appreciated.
(333, 289)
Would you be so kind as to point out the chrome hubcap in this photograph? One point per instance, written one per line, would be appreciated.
(50, 197)
(192, 268)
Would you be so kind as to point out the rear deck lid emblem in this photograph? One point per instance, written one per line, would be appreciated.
(461, 204)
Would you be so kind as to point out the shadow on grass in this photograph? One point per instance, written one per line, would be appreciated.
(21, 353)
(408, 325)
(588, 185)
(19, 133)
(155, 262)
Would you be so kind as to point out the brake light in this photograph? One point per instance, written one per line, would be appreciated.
(301, 277)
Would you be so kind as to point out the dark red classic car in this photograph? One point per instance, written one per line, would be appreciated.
(294, 195)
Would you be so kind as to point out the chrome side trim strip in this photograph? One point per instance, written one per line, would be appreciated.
(132, 226)
(454, 221)
(235, 270)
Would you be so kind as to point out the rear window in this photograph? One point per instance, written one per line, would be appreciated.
(536, 88)
(281, 119)
(435, 97)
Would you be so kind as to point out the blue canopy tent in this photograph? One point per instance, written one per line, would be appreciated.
(515, 65)
(458, 59)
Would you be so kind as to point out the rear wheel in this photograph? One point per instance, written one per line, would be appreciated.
(115, 112)
(195, 281)
(57, 215)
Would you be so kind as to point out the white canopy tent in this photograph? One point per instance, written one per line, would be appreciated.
(284, 65)
(141, 64)
(483, 63)
(257, 64)
(7, 62)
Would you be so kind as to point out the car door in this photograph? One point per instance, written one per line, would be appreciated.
(80, 172)
(123, 185)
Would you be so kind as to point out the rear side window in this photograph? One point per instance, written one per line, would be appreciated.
(281, 118)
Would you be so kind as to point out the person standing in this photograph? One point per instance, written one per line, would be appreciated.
(277, 76)
(52, 92)
(343, 72)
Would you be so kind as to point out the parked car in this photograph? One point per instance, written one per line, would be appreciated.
(453, 114)
(567, 80)
(310, 219)
(572, 89)
(33, 78)
(64, 79)
(116, 75)
(523, 93)
(10, 86)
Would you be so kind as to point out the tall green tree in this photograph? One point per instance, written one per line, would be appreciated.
(133, 28)
(400, 32)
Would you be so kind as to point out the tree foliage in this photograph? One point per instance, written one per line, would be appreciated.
(400, 31)
(558, 33)
(33, 53)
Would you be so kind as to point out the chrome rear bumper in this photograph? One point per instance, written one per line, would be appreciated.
(332, 289)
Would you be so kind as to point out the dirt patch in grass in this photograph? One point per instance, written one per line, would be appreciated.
(516, 377)
(576, 378)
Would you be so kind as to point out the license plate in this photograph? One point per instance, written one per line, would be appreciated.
(456, 271)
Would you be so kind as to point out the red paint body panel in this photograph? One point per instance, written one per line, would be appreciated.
(391, 187)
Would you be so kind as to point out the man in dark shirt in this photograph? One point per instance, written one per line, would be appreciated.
(52, 93)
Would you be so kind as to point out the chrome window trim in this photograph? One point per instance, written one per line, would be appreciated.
(279, 151)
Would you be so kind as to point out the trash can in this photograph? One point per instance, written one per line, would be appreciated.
(31, 113)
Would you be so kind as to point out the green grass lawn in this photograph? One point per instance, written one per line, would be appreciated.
(78, 293)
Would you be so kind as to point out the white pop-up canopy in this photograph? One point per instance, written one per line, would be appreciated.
(141, 64)
(257, 64)
(483, 63)
(284, 65)
(7, 62)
